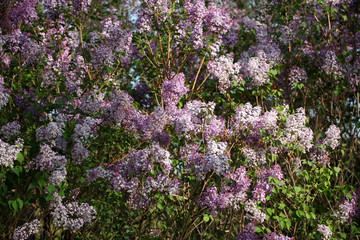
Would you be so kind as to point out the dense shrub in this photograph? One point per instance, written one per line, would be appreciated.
(179, 119)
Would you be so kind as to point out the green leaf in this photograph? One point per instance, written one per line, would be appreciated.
(206, 218)
(14, 205)
(281, 206)
(51, 188)
(21, 203)
(337, 170)
(20, 157)
(282, 224)
(32, 185)
(41, 181)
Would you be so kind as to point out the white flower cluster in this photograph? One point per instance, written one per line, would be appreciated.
(8, 153)
(72, 215)
(225, 70)
(325, 231)
(253, 213)
(25, 231)
(255, 158)
(216, 157)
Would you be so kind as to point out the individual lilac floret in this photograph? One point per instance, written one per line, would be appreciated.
(253, 213)
(325, 231)
(25, 231)
(332, 137)
(274, 236)
(8, 153)
(348, 209)
(225, 70)
(255, 158)
(248, 233)
(10, 129)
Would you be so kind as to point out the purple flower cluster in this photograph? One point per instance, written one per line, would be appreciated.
(73, 215)
(81, 5)
(25, 231)
(10, 129)
(21, 12)
(248, 233)
(49, 160)
(253, 213)
(114, 41)
(216, 158)
(172, 90)
(349, 209)
(274, 236)
(231, 195)
(297, 75)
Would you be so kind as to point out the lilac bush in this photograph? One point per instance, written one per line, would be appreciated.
(179, 119)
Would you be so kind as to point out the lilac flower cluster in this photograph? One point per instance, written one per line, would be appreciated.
(332, 137)
(81, 5)
(230, 196)
(263, 187)
(73, 215)
(9, 153)
(25, 231)
(21, 12)
(319, 155)
(127, 174)
(248, 233)
(204, 23)
(274, 236)
(325, 231)
(49, 160)
(216, 158)
(253, 213)
(257, 69)
(297, 75)
(172, 90)
(348, 209)
(4, 95)
(255, 158)
(225, 70)
(198, 117)
(114, 41)
(331, 64)
(296, 132)
(10, 129)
